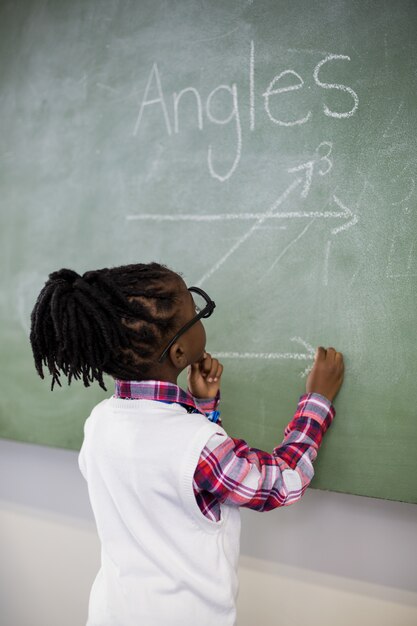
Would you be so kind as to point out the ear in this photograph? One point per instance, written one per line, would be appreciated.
(178, 356)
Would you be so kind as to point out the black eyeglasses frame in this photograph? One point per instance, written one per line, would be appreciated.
(204, 313)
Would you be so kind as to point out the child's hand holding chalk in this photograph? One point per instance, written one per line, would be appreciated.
(326, 377)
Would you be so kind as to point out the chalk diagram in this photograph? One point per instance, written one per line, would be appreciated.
(320, 164)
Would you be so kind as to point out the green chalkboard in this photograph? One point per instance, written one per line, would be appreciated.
(266, 150)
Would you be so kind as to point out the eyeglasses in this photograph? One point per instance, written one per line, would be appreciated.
(204, 306)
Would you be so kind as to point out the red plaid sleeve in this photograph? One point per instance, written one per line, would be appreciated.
(231, 472)
(207, 404)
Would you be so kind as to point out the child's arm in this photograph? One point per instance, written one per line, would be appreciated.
(238, 475)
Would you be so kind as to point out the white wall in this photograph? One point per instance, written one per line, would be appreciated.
(331, 560)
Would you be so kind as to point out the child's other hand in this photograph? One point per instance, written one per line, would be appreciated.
(326, 377)
(204, 377)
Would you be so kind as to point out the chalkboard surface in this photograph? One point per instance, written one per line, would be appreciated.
(266, 150)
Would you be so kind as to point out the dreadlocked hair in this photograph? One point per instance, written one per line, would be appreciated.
(107, 321)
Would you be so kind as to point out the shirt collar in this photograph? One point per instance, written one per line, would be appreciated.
(158, 390)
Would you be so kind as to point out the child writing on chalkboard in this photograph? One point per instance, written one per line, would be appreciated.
(164, 479)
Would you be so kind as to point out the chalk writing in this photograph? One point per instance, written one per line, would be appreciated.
(159, 100)
(327, 111)
(294, 87)
(234, 114)
(281, 91)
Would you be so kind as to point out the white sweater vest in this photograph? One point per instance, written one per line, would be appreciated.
(163, 563)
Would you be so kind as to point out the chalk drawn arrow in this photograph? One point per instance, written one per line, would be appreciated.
(308, 355)
(258, 218)
(352, 219)
(345, 213)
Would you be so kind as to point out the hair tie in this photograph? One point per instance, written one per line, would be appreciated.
(65, 275)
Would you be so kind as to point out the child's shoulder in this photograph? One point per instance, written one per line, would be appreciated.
(98, 408)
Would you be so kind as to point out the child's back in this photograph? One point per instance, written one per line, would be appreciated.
(158, 549)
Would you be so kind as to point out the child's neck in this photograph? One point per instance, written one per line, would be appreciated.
(164, 374)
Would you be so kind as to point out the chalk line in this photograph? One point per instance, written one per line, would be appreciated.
(224, 217)
(410, 256)
(292, 243)
(309, 51)
(385, 133)
(107, 87)
(269, 228)
(348, 213)
(246, 236)
(308, 167)
(252, 85)
(267, 356)
(274, 356)
(326, 263)
(396, 238)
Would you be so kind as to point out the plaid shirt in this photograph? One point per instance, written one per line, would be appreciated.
(229, 471)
